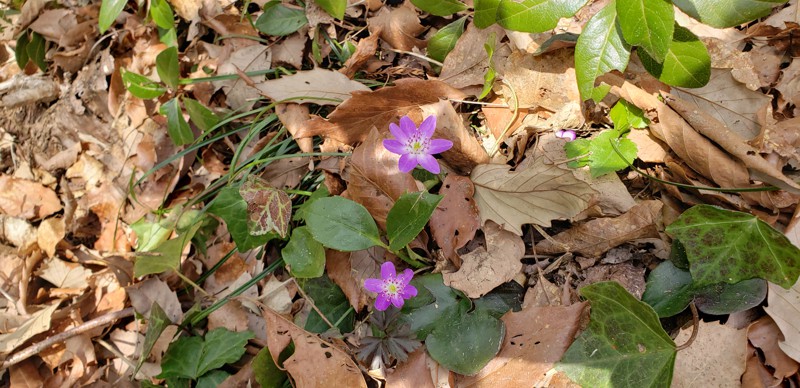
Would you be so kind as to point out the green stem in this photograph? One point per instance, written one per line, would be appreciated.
(343, 316)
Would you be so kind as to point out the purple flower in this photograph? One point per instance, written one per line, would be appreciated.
(566, 134)
(415, 146)
(391, 288)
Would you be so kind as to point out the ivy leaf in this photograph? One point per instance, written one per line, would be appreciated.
(624, 345)
(342, 224)
(485, 12)
(443, 41)
(600, 49)
(304, 255)
(728, 246)
(230, 206)
(177, 127)
(648, 24)
(334, 8)
(440, 7)
(192, 357)
(687, 63)
(408, 217)
(280, 20)
(535, 15)
(727, 13)
(603, 159)
(268, 209)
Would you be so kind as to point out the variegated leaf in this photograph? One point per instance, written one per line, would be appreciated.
(268, 209)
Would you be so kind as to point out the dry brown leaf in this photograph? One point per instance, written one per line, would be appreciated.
(543, 294)
(536, 338)
(595, 237)
(486, 268)
(546, 81)
(648, 148)
(232, 316)
(455, 220)
(468, 62)
(38, 322)
(276, 296)
(414, 373)
(784, 308)
(627, 274)
(497, 118)
(286, 173)
(349, 270)
(63, 274)
(467, 152)
(789, 14)
(318, 86)
(756, 374)
(18, 232)
(240, 31)
(352, 120)
(26, 199)
(314, 363)
(398, 27)
(240, 95)
(716, 358)
(789, 84)
(290, 50)
(535, 193)
(365, 50)
(50, 232)
(187, 9)
(765, 335)
(154, 290)
(25, 375)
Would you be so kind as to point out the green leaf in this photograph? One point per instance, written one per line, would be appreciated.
(600, 49)
(304, 255)
(280, 20)
(687, 63)
(408, 217)
(265, 372)
(440, 7)
(332, 302)
(728, 246)
(141, 86)
(624, 345)
(485, 12)
(302, 211)
(162, 14)
(669, 290)
(727, 13)
(535, 15)
(168, 37)
(109, 10)
(230, 206)
(488, 78)
(36, 51)
(625, 115)
(334, 8)
(342, 224)
(724, 298)
(201, 116)
(444, 40)
(192, 357)
(212, 379)
(167, 257)
(434, 305)
(168, 67)
(604, 159)
(507, 296)
(648, 24)
(268, 209)
(156, 324)
(575, 149)
(177, 127)
(467, 344)
(21, 51)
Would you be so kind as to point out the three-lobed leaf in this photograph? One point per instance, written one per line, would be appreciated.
(600, 49)
(467, 344)
(408, 217)
(342, 224)
(192, 357)
(647, 24)
(687, 63)
(177, 127)
(625, 115)
(440, 7)
(535, 15)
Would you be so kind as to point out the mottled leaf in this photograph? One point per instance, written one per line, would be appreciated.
(268, 209)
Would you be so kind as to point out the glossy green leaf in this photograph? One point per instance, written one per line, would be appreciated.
(201, 116)
(268, 209)
(36, 51)
(192, 357)
(491, 74)
(141, 86)
(440, 7)
(687, 63)
(724, 298)
(467, 344)
(485, 12)
(444, 40)
(624, 345)
(434, 305)
(21, 51)
(647, 24)
(168, 67)
(230, 206)
(265, 372)
(669, 290)
(334, 8)
(535, 15)
(332, 302)
(625, 115)
(600, 49)
(304, 255)
(177, 127)
(342, 224)
(280, 20)
(156, 323)
(727, 13)
(109, 10)
(162, 14)
(302, 211)
(408, 217)
(728, 246)
(507, 296)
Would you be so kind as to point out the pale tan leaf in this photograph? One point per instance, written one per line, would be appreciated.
(64, 274)
(399, 27)
(468, 62)
(765, 335)
(154, 290)
(50, 232)
(716, 358)
(240, 95)
(318, 86)
(290, 50)
(414, 373)
(789, 14)
(39, 322)
(26, 199)
(784, 308)
(546, 81)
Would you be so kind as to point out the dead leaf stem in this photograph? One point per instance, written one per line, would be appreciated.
(695, 327)
(511, 121)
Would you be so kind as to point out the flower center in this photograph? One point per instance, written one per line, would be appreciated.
(418, 145)
(391, 287)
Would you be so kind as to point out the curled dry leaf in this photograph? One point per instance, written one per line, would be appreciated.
(595, 237)
(466, 152)
(486, 268)
(318, 86)
(352, 120)
(26, 199)
(365, 50)
(349, 270)
(784, 308)
(716, 357)
(765, 335)
(398, 27)
(315, 363)
(456, 219)
(294, 116)
(50, 232)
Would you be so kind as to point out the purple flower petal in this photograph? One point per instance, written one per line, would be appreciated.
(439, 145)
(398, 133)
(397, 300)
(374, 285)
(405, 276)
(407, 163)
(429, 163)
(409, 292)
(394, 146)
(408, 127)
(566, 134)
(387, 270)
(428, 126)
(382, 302)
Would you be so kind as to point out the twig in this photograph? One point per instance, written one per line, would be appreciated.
(695, 327)
(61, 337)
(313, 305)
(420, 56)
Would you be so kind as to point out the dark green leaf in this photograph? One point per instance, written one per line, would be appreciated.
(408, 217)
(669, 290)
(441, 43)
(156, 323)
(177, 127)
(21, 51)
(485, 13)
(320, 192)
(332, 302)
(212, 379)
(342, 224)
(230, 206)
(727, 13)
(334, 8)
(36, 51)
(109, 10)
(687, 63)
(192, 357)
(724, 298)
(435, 304)
(280, 20)
(600, 49)
(265, 372)
(648, 24)
(507, 296)
(201, 116)
(624, 345)
(440, 7)
(535, 15)
(467, 344)
(168, 67)
(268, 209)
(141, 86)
(162, 15)
(304, 255)
(728, 246)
